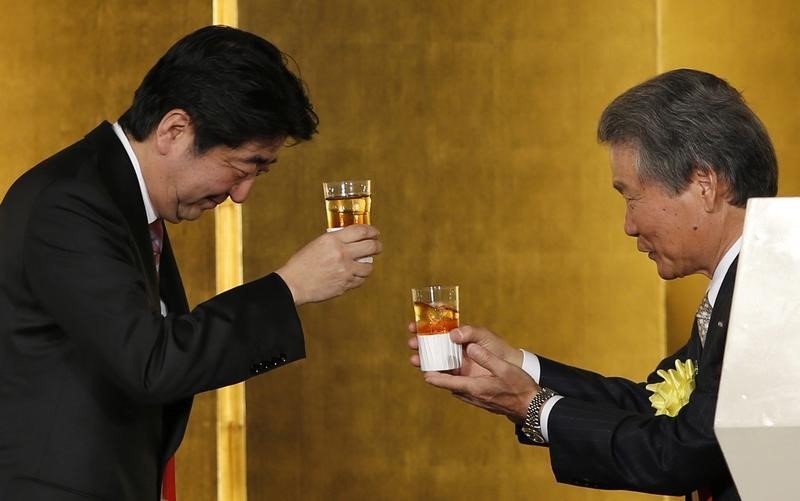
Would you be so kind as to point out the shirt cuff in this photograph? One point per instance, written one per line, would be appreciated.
(531, 365)
(545, 415)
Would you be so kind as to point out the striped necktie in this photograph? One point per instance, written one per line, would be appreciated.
(703, 318)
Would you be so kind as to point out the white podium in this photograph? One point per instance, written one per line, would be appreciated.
(758, 412)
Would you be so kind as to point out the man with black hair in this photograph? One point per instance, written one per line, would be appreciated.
(686, 154)
(99, 354)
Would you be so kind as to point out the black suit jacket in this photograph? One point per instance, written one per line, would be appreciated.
(95, 385)
(605, 434)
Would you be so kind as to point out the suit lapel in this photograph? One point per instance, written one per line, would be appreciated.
(695, 347)
(710, 357)
(718, 324)
(120, 180)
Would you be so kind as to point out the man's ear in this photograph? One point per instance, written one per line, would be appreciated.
(710, 188)
(174, 132)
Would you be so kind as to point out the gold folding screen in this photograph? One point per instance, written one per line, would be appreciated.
(475, 121)
(231, 408)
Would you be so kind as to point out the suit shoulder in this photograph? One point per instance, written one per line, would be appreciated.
(72, 166)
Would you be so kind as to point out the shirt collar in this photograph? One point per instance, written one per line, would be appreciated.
(722, 270)
(148, 205)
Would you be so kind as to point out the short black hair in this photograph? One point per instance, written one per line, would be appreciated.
(234, 85)
(685, 120)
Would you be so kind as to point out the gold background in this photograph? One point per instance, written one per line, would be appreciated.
(476, 122)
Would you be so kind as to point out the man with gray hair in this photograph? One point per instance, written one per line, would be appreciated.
(686, 154)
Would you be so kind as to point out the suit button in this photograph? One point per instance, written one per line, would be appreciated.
(284, 358)
(259, 367)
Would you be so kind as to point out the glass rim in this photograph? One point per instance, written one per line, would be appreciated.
(431, 287)
(446, 293)
(347, 187)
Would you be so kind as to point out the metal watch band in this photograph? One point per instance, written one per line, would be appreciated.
(532, 427)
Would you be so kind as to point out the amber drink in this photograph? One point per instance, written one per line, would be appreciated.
(436, 314)
(346, 203)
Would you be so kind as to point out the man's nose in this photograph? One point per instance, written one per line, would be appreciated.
(630, 225)
(241, 190)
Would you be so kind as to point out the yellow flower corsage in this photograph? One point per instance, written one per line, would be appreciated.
(673, 393)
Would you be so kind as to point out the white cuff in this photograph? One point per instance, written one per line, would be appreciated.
(530, 364)
(545, 415)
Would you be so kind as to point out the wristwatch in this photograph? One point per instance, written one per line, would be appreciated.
(532, 426)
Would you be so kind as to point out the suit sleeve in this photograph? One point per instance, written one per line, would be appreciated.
(82, 266)
(589, 386)
(604, 434)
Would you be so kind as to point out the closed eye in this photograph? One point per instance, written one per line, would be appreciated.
(260, 163)
(631, 200)
(263, 168)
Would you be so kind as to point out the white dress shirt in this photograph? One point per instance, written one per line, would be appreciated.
(148, 205)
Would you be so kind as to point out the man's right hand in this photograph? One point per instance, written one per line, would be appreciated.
(327, 266)
(490, 376)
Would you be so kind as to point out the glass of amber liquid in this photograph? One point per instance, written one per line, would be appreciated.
(346, 203)
(436, 314)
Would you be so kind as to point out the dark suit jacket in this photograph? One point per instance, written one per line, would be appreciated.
(605, 434)
(95, 385)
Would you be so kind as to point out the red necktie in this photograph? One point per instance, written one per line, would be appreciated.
(157, 242)
(168, 484)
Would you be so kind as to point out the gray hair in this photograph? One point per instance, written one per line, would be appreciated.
(687, 120)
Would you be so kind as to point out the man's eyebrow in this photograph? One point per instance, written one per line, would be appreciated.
(619, 186)
(259, 160)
